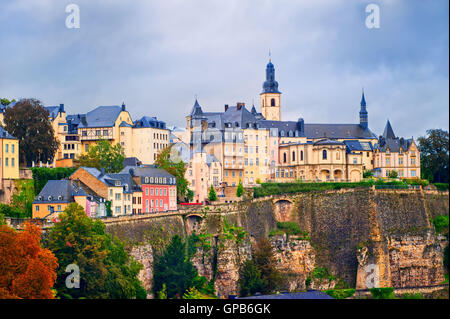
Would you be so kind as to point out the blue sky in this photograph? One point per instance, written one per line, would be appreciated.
(157, 55)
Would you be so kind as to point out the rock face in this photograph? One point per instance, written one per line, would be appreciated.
(349, 231)
(296, 260)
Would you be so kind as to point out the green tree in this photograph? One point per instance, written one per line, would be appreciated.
(250, 281)
(239, 189)
(176, 168)
(212, 194)
(434, 156)
(189, 195)
(265, 261)
(367, 174)
(104, 155)
(41, 175)
(106, 270)
(23, 199)
(174, 269)
(393, 174)
(28, 121)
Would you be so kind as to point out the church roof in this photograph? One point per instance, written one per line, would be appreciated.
(388, 131)
(337, 131)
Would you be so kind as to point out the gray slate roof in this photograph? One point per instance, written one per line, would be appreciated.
(353, 145)
(55, 188)
(102, 116)
(147, 171)
(353, 131)
(148, 121)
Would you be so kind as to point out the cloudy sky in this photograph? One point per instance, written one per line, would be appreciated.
(156, 55)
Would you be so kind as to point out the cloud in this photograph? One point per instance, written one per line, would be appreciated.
(156, 55)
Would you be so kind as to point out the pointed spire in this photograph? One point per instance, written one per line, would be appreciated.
(363, 100)
(388, 131)
(196, 109)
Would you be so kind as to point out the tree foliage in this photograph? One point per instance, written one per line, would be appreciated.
(5, 101)
(177, 169)
(434, 156)
(26, 269)
(250, 281)
(106, 270)
(41, 175)
(28, 121)
(393, 174)
(103, 155)
(239, 189)
(265, 261)
(212, 196)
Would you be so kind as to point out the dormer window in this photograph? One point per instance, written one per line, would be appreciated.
(40, 198)
(50, 198)
(151, 180)
(117, 183)
(146, 180)
(60, 197)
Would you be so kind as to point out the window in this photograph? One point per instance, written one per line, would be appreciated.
(151, 191)
(272, 102)
(355, 160)
(293, 156)
(37, 208)
(146, 191)
(413, 161)
(12, 162)
(86, 148)
(284, 157)
(105, 132)
(97, 132)
(12, 148)
(118, 209)
(301, 155)
(117, 196)
(59, 208)
(388, 161)
(324, 154)
(413, 173)
(6, 148)
(6, 161)
(400, 160)
(84, 133)
(338, 155)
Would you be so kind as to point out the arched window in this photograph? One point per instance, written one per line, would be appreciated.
(324, 154)
(301, 155)
(338, 155)
(284, 157)
(282, 133)
(272, 102)
(293, 156)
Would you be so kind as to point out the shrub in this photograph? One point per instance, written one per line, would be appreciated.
(382, 293)
(413, 296)
(441, 224)
(441, 186)
(340, 293)
(393, 174)
(289, 228)
(367, 174)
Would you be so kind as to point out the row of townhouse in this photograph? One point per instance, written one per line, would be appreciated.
(142, 138)
(134, 190)
(259, 147)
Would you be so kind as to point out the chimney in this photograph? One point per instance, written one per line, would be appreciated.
(226, 107)
(301, 125)
(239, 105)
(61, 108)
(123, 106)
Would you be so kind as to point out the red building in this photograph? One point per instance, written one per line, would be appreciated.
(159, 188)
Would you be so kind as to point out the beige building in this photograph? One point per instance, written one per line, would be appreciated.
(396, 154)
(9, 156)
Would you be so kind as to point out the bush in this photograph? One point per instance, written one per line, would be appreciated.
(367, 174)
(289, 228)
(413, 296)
(340, 293)
(267, 189)
(441, 186)
(382, 293)
(393, 174)
(421, 182)
(41, 175)
(441, 224)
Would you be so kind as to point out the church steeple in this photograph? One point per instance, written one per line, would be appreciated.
(270, 96)
(363, 115)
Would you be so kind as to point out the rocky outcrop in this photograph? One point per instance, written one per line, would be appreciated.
(349, 230)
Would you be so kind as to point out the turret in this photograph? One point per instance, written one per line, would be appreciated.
(363, 115)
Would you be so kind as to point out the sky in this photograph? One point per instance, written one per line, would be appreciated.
(157, 55)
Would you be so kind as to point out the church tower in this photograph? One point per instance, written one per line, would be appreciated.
(270, 96)
(363, 116)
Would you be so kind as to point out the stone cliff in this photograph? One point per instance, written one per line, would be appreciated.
(348, 230)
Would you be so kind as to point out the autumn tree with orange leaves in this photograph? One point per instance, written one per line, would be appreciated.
(26, 269)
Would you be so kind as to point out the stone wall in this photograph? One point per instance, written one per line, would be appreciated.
(348, 229)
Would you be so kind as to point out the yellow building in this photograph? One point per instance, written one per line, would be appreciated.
(9, 155)
(396, 154)
(146, 138)
(104, 122)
